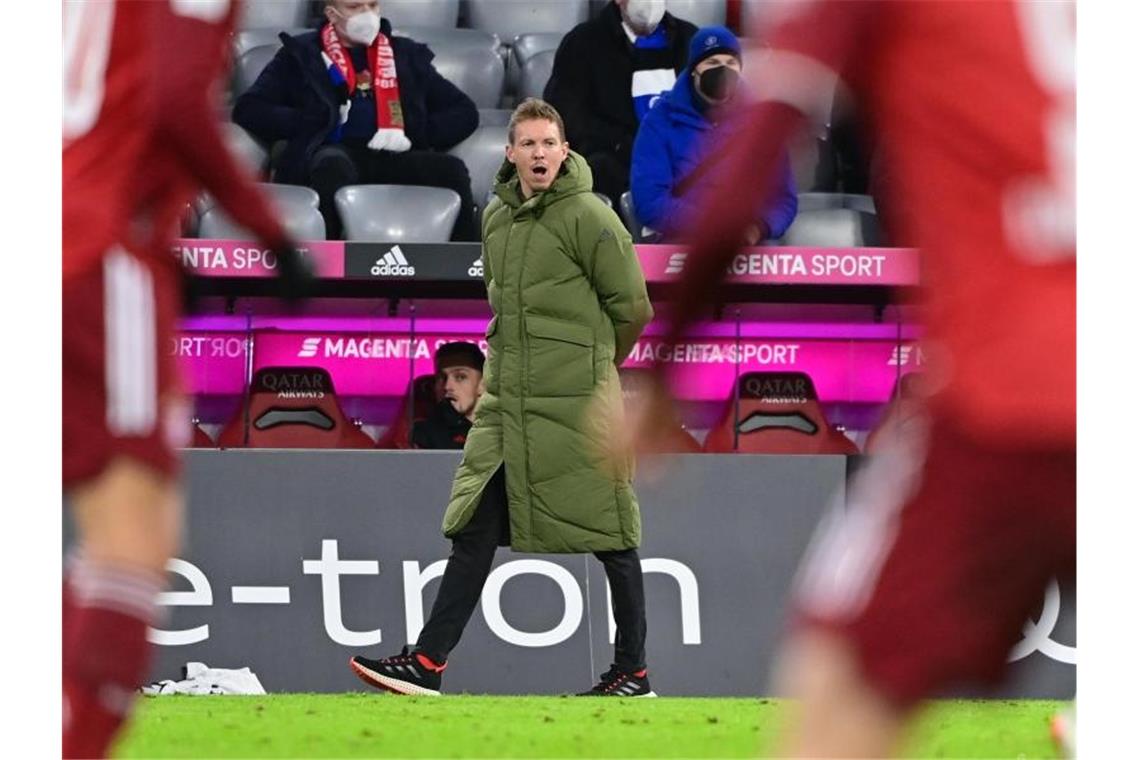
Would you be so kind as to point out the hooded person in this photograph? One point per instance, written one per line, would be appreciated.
(569, 302)
(674, 138)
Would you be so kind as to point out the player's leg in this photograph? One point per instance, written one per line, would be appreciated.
(121, 425)
(924, 579)
(417, 670)
(628, 675)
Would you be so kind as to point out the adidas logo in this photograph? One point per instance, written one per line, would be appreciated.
(309, 348)
(676, 263)
(476, 268)
(393, 264)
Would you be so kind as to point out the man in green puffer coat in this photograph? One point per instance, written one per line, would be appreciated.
(569, 302)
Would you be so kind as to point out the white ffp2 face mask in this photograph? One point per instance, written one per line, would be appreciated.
(645, 13)
(362, 28)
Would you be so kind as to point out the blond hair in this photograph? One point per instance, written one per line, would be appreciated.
(532, 109)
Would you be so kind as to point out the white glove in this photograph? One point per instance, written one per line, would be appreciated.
(390, 139)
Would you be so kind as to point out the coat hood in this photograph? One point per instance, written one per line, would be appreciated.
(574, 177)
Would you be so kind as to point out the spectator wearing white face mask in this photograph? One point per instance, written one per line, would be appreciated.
(355, 105)
(607, 73)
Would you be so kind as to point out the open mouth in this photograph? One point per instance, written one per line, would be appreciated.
(539, 171)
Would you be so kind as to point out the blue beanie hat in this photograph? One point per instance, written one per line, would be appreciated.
(710, 40)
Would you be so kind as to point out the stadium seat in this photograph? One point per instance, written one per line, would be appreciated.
(397, 213)
(813, 163)
(250, 65)
(833, 228)
(273, 14)
(292, 408)
(296, 207)
(510, 18)
(494, 117)
(201, 439)
(535, 73)
(467, 58)
(700, 12)
(677, 440)
(440, 13)
(778, 413)
(523, 48)
(484, 152)
(905, 410)
(818, 201)
(424, 392)
(246, 147)
(247, 39)
(639, 233)
(604, 199)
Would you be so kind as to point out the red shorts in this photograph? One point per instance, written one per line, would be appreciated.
(937, 562)
(121, 395)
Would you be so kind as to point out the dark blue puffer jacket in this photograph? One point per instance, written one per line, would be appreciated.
(295, 100)
(669, 145)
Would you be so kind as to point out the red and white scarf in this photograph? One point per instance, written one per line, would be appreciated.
(385, 87)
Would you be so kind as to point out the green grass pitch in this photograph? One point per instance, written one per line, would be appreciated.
(381, 725)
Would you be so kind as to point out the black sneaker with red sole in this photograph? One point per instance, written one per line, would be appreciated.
(406, 673)
(618, 683)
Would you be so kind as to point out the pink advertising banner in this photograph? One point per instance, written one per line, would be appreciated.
(235, 258)
(889, 267)
(380, 364)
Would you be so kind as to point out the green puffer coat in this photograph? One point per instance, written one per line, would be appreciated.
(569, 302)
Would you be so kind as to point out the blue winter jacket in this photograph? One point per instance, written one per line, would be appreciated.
(669, 145)
(295, 100)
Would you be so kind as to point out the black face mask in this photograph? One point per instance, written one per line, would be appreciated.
(718, 83)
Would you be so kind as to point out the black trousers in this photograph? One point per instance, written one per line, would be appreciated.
(472, 551)
(334, 166)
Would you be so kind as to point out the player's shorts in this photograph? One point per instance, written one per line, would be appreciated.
(121, 395)
(937, 561)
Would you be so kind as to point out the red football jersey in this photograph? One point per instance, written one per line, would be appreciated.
(973, 106)
(140, 130)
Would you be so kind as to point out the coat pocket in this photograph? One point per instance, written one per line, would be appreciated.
(560, 357)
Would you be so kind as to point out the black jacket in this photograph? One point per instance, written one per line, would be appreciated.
(295, 100)
(592, 81)
(444, 428)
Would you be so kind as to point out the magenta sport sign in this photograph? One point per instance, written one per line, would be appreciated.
(850, 363)
(887, 267)
(364, 363)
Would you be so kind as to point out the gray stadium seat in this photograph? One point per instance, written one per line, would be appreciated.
(483, 152)
(605, 199)
(510, 18)
(397, 213)
(467, 58)
(442, 38)
(524, 47)
(817, 201)
(273, 14)
(833, 228)
(248, 150)
(249, 66)
(699, 12)
(535, 73)
(442, 13)
(296, 208)
(640, 233)
(813, 164)
(247, 39)
(494, 117)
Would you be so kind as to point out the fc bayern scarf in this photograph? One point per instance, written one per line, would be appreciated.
(384, 86)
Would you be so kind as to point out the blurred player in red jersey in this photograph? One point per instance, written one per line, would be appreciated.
(948, 538)
(139, 138)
